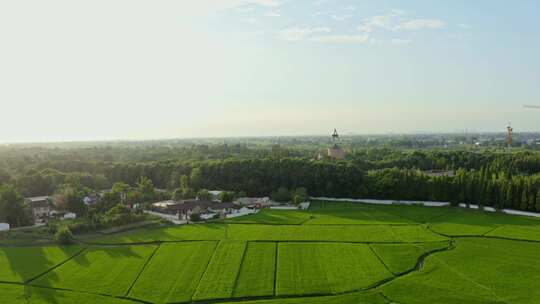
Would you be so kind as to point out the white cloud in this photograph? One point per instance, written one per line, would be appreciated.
(341, 38)
(244, 9)
(267, 3)
(386, 22)
(464, 26)
(349, 8)
(419, 24)
(301, 33)
(340, 17)
(273, 14)
(393, 21)
(400, 41)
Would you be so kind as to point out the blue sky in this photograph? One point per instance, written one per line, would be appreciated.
(142, 69)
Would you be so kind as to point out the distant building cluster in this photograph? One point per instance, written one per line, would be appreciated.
(44, 208)
(182, 210)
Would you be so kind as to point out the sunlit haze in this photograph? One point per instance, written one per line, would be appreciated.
(93, 70)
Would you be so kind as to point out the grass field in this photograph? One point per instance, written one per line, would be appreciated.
(400, 258)
(21, 294)
(258, 270)
(476, 271)
(289, 217)
(220, 276)
(334, 253)
(174, 272)
(332, 233)
(322, 268)
(20, 264)
(108, 270)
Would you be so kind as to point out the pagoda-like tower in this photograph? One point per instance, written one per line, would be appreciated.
(335, 152)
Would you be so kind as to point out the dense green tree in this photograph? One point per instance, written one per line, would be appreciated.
(227, 196)
(12, 207)
(300, 195)
(70, 198)
(204, 195)
(537, 204)
(282, 195)
(196, 178)
(145, 187)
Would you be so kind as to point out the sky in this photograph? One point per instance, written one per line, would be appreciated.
(131, 69)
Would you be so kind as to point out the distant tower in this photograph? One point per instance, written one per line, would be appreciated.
(335, 135)
(335, 152)
(510, 135)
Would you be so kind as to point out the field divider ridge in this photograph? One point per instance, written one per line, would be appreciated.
(55, 266)
(240, 268)
(381, 260)
(276, 268)
(205, 270)
(491, 230)
(142, 269)
(85, 292)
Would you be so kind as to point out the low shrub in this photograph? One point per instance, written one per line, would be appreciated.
(64, 236)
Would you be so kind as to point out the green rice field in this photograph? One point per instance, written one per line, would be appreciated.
(335, 253)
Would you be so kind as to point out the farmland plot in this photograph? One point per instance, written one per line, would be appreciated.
(474, 272)
(19, 294)
(322, 268)
(356, 298)
(403, 257)
(173, 273)
(100, 270)
(354, 214)
(19, 264)
(219, 278)
(462, 222)
(209, 232)
(268, 216)
(332, 233)
(517, 232)
(257, 273)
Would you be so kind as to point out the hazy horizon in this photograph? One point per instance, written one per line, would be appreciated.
(141, 70)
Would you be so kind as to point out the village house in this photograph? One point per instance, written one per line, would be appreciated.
(215, 194)
(40, 206)
(185, 208)
(91, 199)
(254, 202)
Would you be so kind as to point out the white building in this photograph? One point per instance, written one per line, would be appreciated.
(215, 194)
(70, 215)
(260, 202)
(4, 226)
(40, 205)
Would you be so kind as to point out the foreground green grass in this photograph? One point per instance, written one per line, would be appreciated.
(332, 233)
(108, 270)
(268, 216)
(259, 232)
(400, 258)
(323, 268)
(20, 294)
(258, 269)
(353, 298)
(20, 264)
(174, 272)
(476, 271)
(219, 278)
